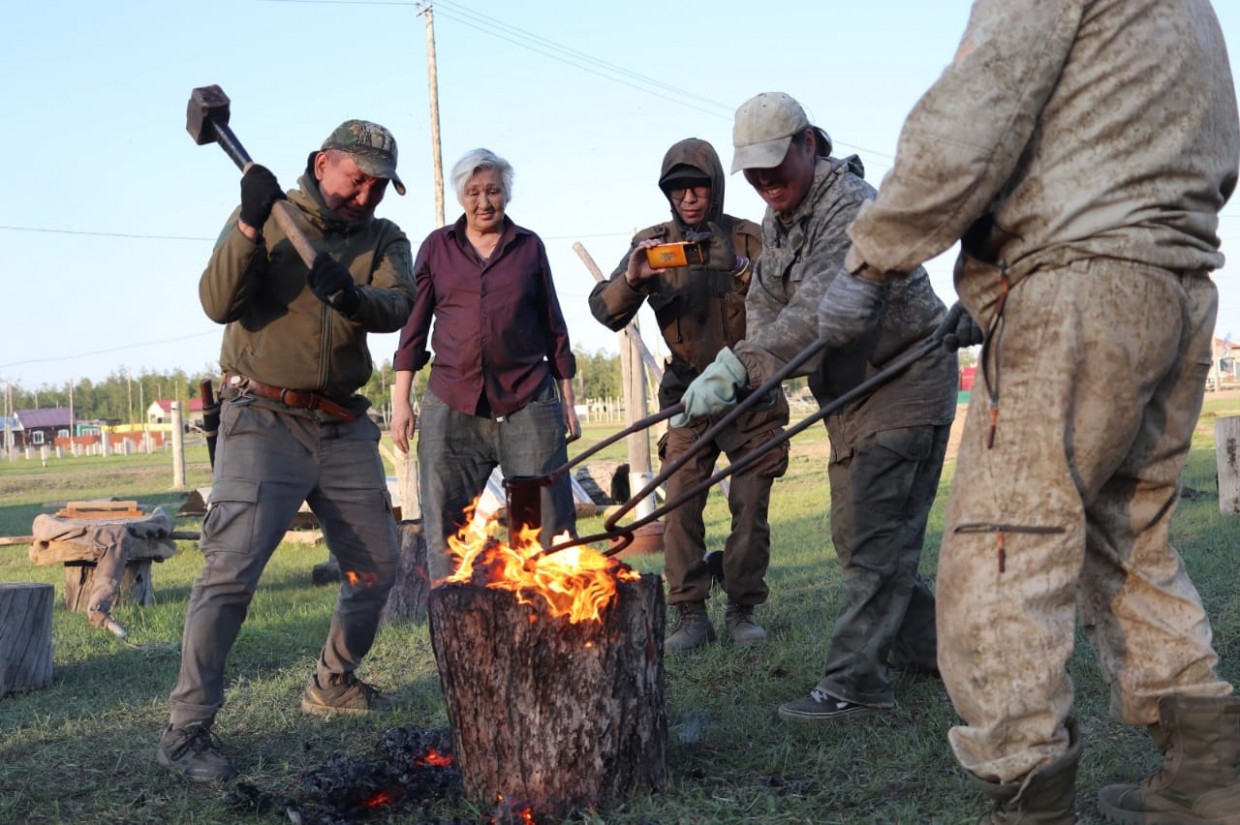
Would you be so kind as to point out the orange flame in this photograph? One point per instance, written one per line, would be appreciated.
(365, 579)
(380, 799)
(435, 759)
(577, 582)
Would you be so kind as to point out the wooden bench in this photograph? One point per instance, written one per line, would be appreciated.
(107, 549)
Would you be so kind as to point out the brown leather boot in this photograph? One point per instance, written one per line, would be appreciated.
(692, 629)
(1048, 797)
(1199, 738)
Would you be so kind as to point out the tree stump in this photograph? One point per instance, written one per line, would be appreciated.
(551, 714)
(25, 636)
(407, 601)
(135, 586)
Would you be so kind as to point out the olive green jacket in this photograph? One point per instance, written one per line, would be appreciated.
(277, 331)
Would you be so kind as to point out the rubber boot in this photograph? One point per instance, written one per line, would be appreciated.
(692, 628)
(1048, 797)
(1199, 738)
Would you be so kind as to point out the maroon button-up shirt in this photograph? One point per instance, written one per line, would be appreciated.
(498, 327)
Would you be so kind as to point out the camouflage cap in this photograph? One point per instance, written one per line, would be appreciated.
(373, 149)
(763, 130)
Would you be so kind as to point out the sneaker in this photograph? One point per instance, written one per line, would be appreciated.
(742, 626)
(692, 629)
(821, 707)
(343, 693)
(194, 752)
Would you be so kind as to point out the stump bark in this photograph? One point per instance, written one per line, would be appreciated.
(407, 601)
(555, 715)
(25, 636)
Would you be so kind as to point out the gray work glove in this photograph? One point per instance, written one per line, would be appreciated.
(713, 392)
(848, 308)
(259, 192)
(960, 329)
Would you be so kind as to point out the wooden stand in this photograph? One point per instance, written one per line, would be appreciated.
(25, 636)
(407, 601)
(1227, 454)
(550, 714)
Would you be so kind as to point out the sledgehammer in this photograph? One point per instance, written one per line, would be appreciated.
(206, 120)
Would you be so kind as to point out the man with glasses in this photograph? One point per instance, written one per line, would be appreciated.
(701, 310)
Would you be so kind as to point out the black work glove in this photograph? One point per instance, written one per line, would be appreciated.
(332, 283)
(259, 192)
(848, 307)
(960, 329)
(720, 254)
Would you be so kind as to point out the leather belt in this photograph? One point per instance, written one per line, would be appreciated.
(294, 399)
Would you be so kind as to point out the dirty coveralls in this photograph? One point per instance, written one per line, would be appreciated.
(1096, 142)
(887, 449)
(700, 311)
(271, 457)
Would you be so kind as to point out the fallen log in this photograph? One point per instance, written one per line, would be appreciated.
(555, 715)
(25, 636)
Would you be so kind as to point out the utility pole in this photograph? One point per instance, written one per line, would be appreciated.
(433, 83)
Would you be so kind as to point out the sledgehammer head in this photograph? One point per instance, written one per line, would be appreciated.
(208, 106)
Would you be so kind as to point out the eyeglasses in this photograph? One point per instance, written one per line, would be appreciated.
(678, 193)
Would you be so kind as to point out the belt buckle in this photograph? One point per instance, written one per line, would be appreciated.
(283, 392)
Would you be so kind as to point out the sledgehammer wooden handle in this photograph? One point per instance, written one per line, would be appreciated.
(207, 122)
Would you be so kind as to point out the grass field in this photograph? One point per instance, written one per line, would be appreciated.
(83, 749)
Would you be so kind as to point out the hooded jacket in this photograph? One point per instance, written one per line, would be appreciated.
(277, 331)
(700, 310)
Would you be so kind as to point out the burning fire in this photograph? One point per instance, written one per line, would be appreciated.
(434, 758)
(577, 582)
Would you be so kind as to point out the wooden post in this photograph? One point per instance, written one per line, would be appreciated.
(407, 479)
(25, 636)
(552, 714)
(1227, 455)
(178, 448)
(634, 355)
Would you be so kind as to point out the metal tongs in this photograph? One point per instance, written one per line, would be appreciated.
(524, 500)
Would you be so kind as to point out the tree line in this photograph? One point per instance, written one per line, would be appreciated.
(124, 395)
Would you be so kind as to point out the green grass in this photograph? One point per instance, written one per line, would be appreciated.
(83, 749)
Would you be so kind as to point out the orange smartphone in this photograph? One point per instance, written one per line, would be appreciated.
(672, 255)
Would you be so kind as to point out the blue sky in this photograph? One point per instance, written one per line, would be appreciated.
(111, 209)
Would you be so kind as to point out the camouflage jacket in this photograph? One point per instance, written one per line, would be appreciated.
(1063, 130)
(801, 254)
(277, 331)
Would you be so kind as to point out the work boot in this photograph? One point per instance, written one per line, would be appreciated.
(742, 626)
(1047, 797)
(1199, 738)
(692, 629)
(194, 752)
(343, 693)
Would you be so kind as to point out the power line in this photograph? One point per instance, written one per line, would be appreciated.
(107, 351)
(55, 231)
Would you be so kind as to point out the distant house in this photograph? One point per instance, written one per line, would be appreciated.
(160, 412)
(1226, 361)
(38, 427)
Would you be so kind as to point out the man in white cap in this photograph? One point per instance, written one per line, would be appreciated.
(886, 450)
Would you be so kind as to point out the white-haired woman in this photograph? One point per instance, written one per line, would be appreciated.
(500, 389)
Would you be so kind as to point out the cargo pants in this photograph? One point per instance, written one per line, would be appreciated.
(881, 497)
(267, 463)
(1101, 368)
(747, 549)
